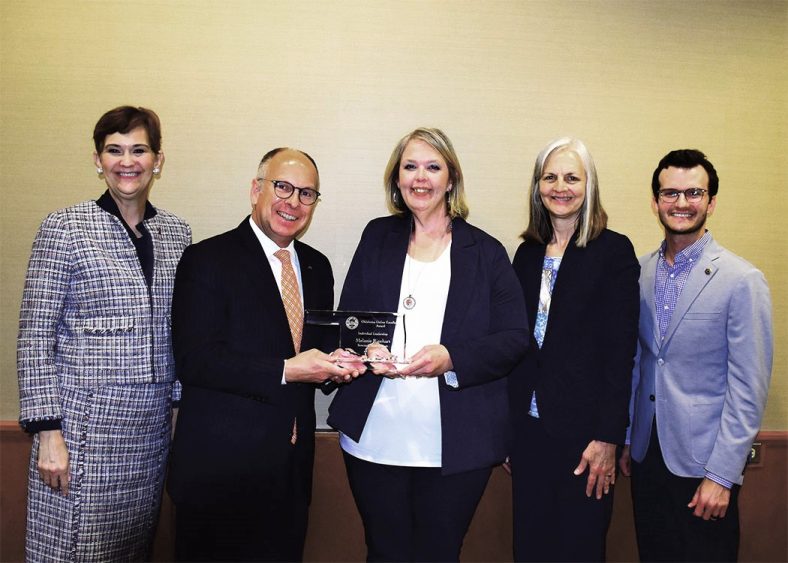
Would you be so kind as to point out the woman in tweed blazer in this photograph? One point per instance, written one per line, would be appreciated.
(96, 377)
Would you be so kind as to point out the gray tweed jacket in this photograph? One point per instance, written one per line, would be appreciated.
(87, 318)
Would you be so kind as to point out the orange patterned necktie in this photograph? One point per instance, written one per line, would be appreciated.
(291, 298)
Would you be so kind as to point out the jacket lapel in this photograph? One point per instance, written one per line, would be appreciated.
(570, 273)
(263, 277)
(648, 277)
(532, 276)
(307, 276)
(258, 265)
(700, 275)
(390, 265)
(464, 258)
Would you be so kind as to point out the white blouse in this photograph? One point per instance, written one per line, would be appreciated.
(404, 425)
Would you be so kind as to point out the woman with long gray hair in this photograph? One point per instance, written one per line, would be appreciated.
(570, 395)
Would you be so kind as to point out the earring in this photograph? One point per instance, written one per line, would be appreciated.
(99, 170)
(156, 170)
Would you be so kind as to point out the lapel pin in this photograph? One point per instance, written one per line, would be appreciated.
(708, 271)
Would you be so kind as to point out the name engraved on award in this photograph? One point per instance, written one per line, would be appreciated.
(357, 329)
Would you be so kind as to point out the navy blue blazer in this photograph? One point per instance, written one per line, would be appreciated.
(484, 330)
(583, 372)
(232, 447)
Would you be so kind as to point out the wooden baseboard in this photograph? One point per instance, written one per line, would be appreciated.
(762, 506)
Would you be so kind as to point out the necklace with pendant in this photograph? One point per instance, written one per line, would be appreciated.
(409, 302)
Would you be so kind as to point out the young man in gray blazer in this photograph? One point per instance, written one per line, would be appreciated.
(701, 374)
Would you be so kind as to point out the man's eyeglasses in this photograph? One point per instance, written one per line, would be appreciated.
(283, 190)
(692, 195)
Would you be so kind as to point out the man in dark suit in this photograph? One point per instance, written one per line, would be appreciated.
(241, 464)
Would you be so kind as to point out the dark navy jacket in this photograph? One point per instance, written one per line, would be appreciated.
(484, 330)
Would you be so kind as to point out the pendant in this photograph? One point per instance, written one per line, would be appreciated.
(409, 302)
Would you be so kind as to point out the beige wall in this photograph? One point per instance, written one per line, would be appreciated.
(344, 80)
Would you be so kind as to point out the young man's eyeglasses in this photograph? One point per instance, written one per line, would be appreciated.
(692, 195)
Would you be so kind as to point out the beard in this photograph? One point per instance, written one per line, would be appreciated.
(698, 225)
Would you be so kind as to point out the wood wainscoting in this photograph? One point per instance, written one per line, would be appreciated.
(336, 534)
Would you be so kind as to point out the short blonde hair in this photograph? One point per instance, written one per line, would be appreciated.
(592, 219)
(437, 139)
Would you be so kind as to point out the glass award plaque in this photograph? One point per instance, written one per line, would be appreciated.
(357, 329)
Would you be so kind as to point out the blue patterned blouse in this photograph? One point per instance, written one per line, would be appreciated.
(549, 274)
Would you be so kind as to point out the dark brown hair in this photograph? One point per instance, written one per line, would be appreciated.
(124, 119)
(685, 158)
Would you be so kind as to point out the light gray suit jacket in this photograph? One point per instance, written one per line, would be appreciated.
(707, 381)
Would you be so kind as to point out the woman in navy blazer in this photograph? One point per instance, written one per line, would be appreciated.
(419, 445)
(570, 395)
